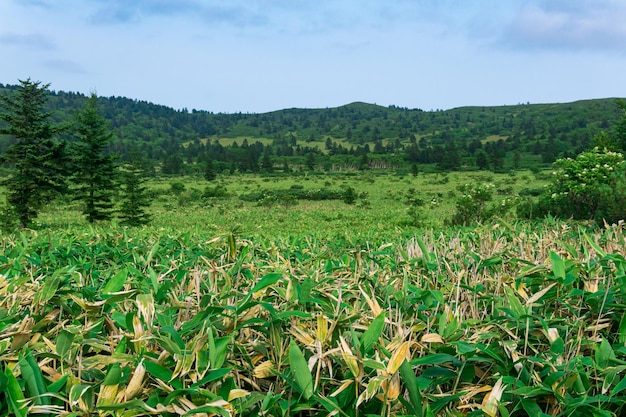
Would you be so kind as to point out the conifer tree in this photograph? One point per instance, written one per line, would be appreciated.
(134, 195)
(37, 158)
(94, 170)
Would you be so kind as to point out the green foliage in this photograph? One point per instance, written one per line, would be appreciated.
(134, 196)
(209, 170)
(349, 195)
(38, 160)
(592, 187)
(94, 171)
(515, 320)
(471, 206)
(354, 136)
(177, 187)
(297, 193)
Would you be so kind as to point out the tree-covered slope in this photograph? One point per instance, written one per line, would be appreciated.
(533, 133)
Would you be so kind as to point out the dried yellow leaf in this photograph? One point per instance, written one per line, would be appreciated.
(349, 358)
(492, 399)
(372, 303)
(302, 336)
(135, 385)
(264, 370)
(398, 357)
(431, 338)
(237, 393)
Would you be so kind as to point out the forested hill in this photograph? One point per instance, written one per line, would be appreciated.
(357, 135)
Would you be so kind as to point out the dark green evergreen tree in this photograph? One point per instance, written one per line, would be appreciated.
(134, 195)
(482, 160)
(209, 170)
(94, 172)
(619, 130)
(266, 163)
(38, 159)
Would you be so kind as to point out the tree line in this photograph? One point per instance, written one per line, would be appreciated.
(45, 165)
(355, 136)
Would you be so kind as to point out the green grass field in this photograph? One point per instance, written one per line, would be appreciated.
(224, 306)
(382, 211)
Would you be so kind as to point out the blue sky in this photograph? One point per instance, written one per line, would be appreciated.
(264, 55)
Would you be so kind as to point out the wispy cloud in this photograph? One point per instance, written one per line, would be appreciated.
(28, 40)
(65, 65)
(566, 24)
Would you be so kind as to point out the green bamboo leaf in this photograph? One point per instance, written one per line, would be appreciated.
(300, 369)
(232, 246)
(435, 359)
(81, 391)
(114, 375)
(558, 265)
(64, 343)
(50, 286)
(266, 281)
(594, 245)
(604, 354)
(621, 386)
(159, 372)
(218, 348)
(212, 376)
(372, 334)
(33, 378)
(409, 379)
(57, 386)
(116, 282)
(622, 330)
(14, 394)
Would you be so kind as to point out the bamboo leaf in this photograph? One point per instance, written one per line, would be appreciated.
(159, 372)
(400, 355)
(300, 369)
(218, 348)
(114, 375)
(409, 379)
(14, 394)
(116, 282)
(372, 334)
(435, 359)
(558, 265)
(64, 343)
(34, 383)
(594, 245)
(266, 281)
(604, 354)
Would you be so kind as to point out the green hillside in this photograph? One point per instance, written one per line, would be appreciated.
(357, 135)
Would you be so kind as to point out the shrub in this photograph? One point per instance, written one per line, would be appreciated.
(215, 192)
(177, 187)
(592, 187)
(471, 206)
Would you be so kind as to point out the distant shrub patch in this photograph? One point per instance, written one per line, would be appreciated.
(590, 187)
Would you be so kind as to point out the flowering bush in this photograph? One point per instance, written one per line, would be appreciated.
(592, 186)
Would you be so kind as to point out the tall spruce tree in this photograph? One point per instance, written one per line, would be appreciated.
(38, 159)
(134, 195)
(94, 171)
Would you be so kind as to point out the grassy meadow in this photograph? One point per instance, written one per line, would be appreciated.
(240, 301)
(382, 206)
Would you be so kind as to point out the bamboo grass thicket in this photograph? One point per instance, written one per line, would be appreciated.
(498, 320)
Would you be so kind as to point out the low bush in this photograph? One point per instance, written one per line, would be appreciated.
(590, 187)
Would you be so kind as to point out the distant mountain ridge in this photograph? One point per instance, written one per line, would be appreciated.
(560, 129)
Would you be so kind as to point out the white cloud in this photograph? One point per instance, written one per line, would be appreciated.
(28, 40)
(572, 24)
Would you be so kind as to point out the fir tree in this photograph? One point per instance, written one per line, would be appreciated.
(209, 170)
(94, 171)
(134, 195)
(38, 159)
